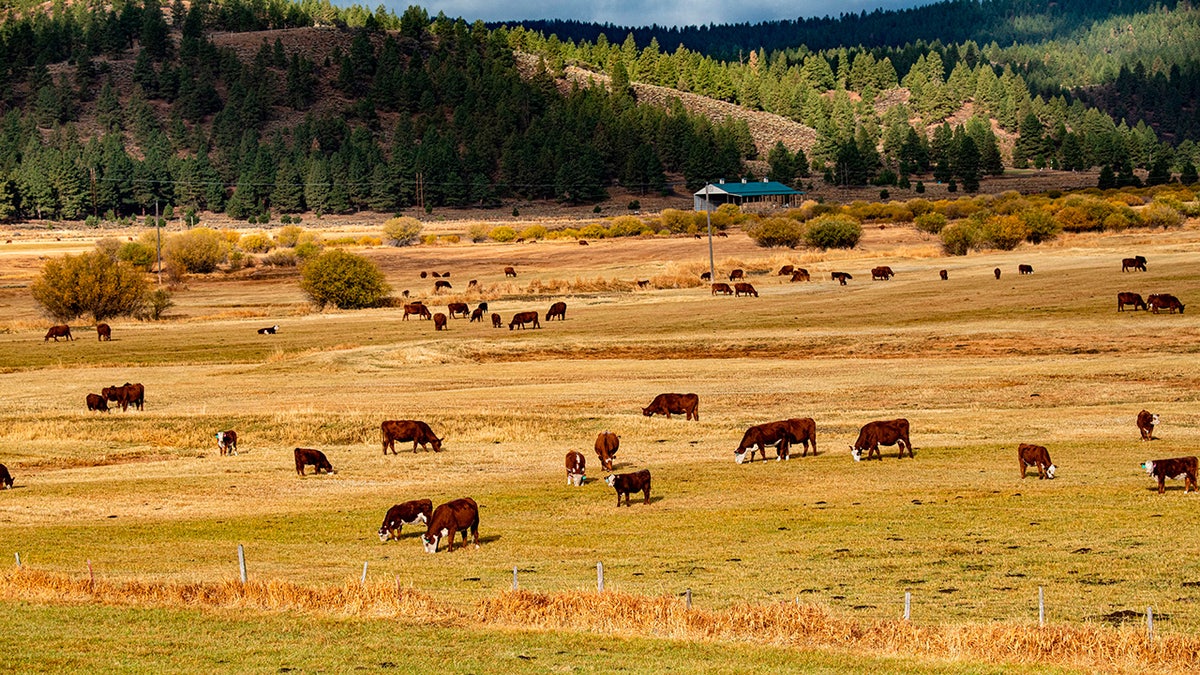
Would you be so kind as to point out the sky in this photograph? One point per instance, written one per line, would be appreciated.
(634, 13)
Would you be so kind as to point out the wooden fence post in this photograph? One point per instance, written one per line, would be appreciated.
(907, 605)
(242, 563)
(599, 577)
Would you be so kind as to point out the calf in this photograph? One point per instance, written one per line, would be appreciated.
(458, 308)
(944, 274)
(840, 277)
(1162, 469)
(1036, 455)
(737, 274)
(227, 442)
(575, 468)
(741, 288)
(477, 315)
(510, 272)
(721, 287)
(629, 483)
(874, 434)
(439, 321)
(103, 332)
(679, 404)
(781, 434)
(1135, 263)
(1164, 301)
(60, 331)
(607, 444)
(800, 275)
(1134, 299)
(6, 480)
(97, 402)
(1024, 269)
(521, 318)
(558, 309)
(408, 430)
(269, 330)
(455, 516)
(408, 513)
(497, 322)
(1146, 421)
(315, 458)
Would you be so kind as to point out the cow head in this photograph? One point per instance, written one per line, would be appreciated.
(577, 479)
(856, 453)
(436, 443)
(8, 483)
(1050, 471)
(610, 479)
(385, 533)
(647, 412)
(431, 545)
(1148, 465)
(739, 456)
(1154, 420)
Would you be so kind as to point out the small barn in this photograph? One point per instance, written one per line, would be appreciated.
(744, 193)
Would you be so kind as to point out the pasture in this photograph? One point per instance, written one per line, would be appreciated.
(977, 365)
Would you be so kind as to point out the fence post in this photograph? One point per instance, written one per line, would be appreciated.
(242, 563)
(689, 598)
(18, 554)
(1150, 624)
(907, 605)
(514, 577)
(599, 577)
(1041, 607)
(364, 576)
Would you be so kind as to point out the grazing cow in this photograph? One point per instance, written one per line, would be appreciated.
(97, 402)
(408, 513)
(315, 458)
(497, 322)
(706, 276)
(721, 233)
(679, 404)
(5, 478)
(1024, 269)
(558, 309)
(583, 242)
(882, 272)
(629, 483)
(1135, 263)
(643, 283)
(944, 274)
(472, 283)
(521, 318)
(424, 274)
(126, 395)
(721, 287)
(800, 275)
(742, 288)
(874, 434)
(483, 306)
(1146, 421)
(227, 442)
(103, 332)
(417, 308)
(1162, 469)
(1164, 301)
(575, 468)
(408, 430)
(436, 275)
(445, 275)
(840, 277)
(786, 270)
(270, 330)
(1038, 456)
(1134, 299)
(477, 315)
(781, 434)
(440, 284)
(439, 321)
(458, 308)
(450, 518)
(62, 331)
(997, 273)
(510, 272)
(607, 444)
(737, 274)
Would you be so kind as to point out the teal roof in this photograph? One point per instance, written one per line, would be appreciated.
(752, 188)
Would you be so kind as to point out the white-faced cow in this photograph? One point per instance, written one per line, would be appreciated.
(875, 434)
(408, 513)
(449, 519)
(576, 466)
(781, 434)
(408, 430)
(6, 479)
(1146, 421)
(269, 330)
(629, 483)
(1036, 456)
(227, 442)
(1162, 469)
(678, 404)
(607, 444)
(103, 332)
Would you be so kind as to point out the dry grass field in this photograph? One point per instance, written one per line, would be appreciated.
(976, 364)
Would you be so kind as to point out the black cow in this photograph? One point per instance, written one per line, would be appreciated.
(5, 478)
(269, 330)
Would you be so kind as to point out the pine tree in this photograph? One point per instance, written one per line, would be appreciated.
(967, 164)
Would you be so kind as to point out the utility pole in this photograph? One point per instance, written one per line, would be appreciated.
(158, 241)
(712, 269)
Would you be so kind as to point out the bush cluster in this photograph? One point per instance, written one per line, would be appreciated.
(344, 280)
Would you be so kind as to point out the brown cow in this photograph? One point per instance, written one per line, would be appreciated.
(1024, 269)
(706, 276)
(629, 483)
(439, 321)
(800, 275)
(227, 442)
(126, 395)
(449, 519)
(558, 309)
(440, 284)
(643, 283)
(103, 332)
(497, 322)
(737, 274)
(721, 234)
(314, 458)
(417, 308)
(786, 270)
(1146, 421)
(1164, 301)
(473, 283)
(521, 318)
(874, 434)
(742, 288)
(1038, 456)
(458, 308)
(583, 242)
(60, 331)
(1162, 469)
(510, 272)
(477, 315)
(1134, 299)
(483, 306)
(781, 434)
(607, 444)
(840, 277)
(408, 430)
(424, 274)
(6, 479)
(679, 404)
(997, 273)
(721, 287)
(944, 274)
(437, 275)
(97, 402)
(575, 468)
(1135, 263)
(882, 272)
(408, 513)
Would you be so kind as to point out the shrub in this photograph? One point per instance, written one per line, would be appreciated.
(959, 237)
(89, 283)
(156, 303)
(307, 250)
(931, 222)
(402, 231)
(197, 251)
(1116, 222)
(725, 215)
(678, 222)
(256, 242)
(1041, 225)
(478, 232)
(833, 231)
(1004, 232)
(1075, 219)
(593, 231)
(288, 235)
(625, 226)
(280, 258)
(1160, 215)
(773, 232)
(503, 234)
(368, 240)
(534, 232)
(919, 206)
(453, 238)
(344, 280)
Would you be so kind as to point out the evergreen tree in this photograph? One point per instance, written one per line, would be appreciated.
(967, 164)
(288, 193)
(1188, 176)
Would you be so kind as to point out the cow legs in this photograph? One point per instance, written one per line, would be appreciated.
(646, 494)
(1162, 484)
(1023, 467)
